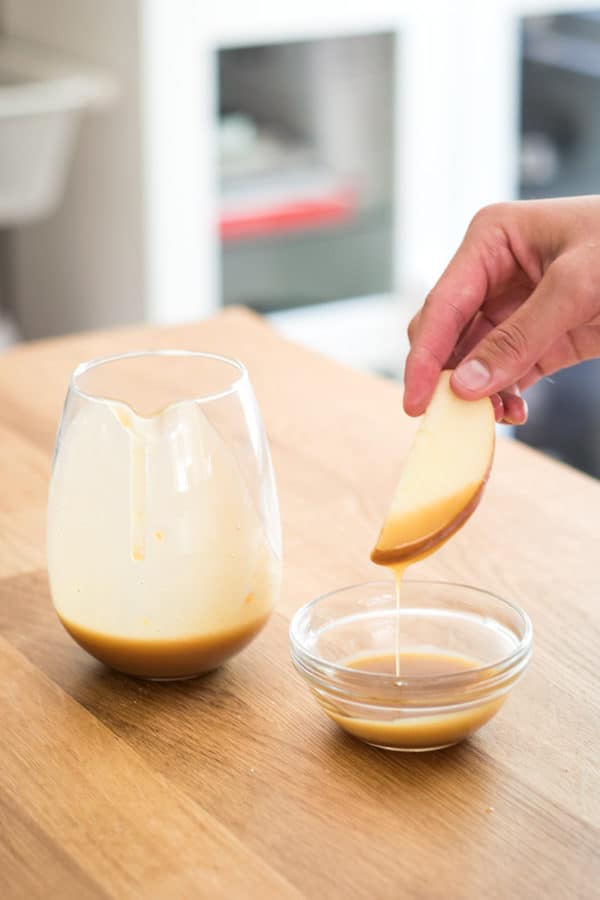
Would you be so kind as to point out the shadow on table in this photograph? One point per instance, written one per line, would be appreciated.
(417, 776)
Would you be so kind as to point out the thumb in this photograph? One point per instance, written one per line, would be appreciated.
(513, 347)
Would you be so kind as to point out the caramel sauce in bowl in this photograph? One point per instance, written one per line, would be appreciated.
(462, 651)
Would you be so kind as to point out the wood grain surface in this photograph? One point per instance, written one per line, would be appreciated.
(235, 784)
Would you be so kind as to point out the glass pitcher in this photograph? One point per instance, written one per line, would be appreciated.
(164, 545)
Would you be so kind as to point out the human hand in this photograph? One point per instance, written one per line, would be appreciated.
(519, 300)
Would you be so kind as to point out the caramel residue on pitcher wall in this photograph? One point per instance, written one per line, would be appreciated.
(137, 498)
(137, 481)
(408, 538)
(123, 416)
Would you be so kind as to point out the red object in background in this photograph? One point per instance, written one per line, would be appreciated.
(335, 208)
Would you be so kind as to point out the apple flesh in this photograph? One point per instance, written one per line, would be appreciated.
(443, 477)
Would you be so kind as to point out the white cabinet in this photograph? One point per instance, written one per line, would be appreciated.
(136, 237)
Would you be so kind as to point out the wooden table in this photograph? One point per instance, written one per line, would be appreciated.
(236, 785)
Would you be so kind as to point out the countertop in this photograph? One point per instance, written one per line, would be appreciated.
(235, 784)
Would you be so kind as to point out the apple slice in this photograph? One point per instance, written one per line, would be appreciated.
(443, 477)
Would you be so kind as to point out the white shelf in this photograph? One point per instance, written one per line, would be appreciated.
(41, 100)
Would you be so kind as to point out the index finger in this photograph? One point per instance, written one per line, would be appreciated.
(447, 311)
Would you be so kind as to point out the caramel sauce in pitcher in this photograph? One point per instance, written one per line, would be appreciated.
(166, 658)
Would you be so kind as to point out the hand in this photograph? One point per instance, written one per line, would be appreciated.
(519, 300)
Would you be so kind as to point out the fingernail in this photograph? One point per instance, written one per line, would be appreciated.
(522, 418)
(472, 375)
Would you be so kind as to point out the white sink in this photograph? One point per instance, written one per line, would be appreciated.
(42, 98)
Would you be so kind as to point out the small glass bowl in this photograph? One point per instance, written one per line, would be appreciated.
(426, 712)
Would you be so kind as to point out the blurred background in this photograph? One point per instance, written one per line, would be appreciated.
(318, 163)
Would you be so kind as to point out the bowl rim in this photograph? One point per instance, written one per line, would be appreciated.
(495, 671)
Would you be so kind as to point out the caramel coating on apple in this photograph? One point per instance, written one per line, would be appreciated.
(443, 477)
(415, 535)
